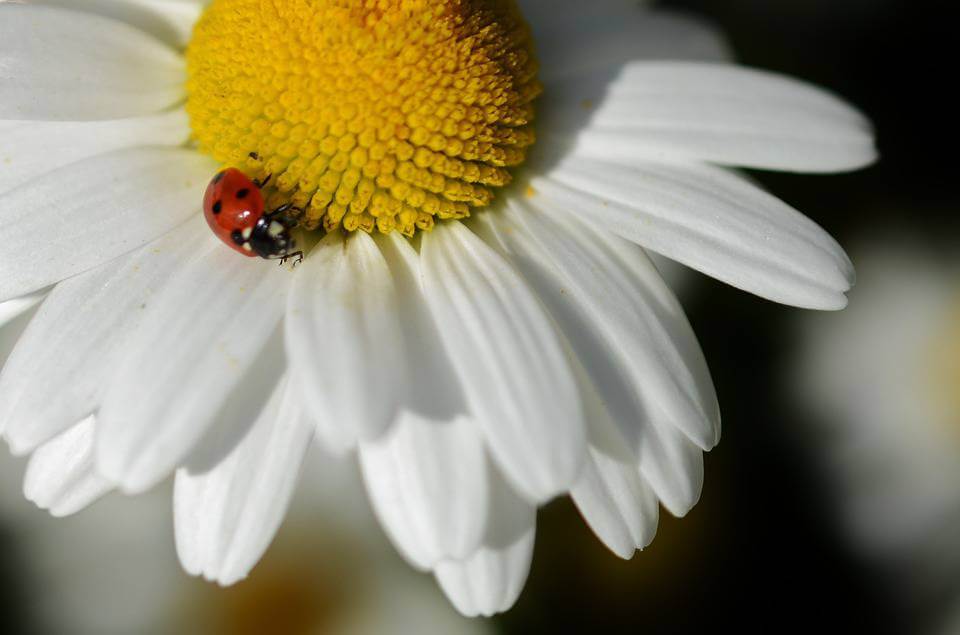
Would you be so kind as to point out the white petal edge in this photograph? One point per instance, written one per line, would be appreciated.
(226, 518)
(170, 21)
(711, 220)
(724, 114)
(57, 373)
(610, 302)
(32, 148)
(344, 338)
(586, 41)
(11, 309)
(428, 484)
(114, 204)
(509, 358)
(611, 494)
(490, 580)
(62, 64)
(60, 475)
(199, 337)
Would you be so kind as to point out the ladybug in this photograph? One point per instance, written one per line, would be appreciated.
(234, 208)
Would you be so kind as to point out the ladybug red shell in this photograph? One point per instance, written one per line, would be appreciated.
(234, 208)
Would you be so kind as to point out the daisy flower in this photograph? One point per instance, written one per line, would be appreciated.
(884, 379)
(475, 183)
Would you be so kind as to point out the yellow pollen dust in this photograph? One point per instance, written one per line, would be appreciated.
(367, 114)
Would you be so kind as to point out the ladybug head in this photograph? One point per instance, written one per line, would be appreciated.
(269, 238)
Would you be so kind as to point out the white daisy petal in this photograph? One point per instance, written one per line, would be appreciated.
(592, 41)
(673, 466)
(85, 214)
(509, 358)
(29, 149)
(617, 503)
(711, 220)
(724, 114)
(336, 439)
(434, 389)
(236, 414)
(428, 484)
(61, 477)
(344, 336)
(226, 518)
(199, 336)
(611, 303)
(490, 580)
(613, 497)
(170, 21)
(56, 375)
(10, 309)
(67, 65)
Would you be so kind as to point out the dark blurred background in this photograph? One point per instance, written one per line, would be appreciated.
(762, 551)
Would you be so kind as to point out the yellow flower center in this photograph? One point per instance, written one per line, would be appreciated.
(386, 114)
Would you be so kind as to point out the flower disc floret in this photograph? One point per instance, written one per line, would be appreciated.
(369, 114)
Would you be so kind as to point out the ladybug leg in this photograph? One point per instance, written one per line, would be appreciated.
(297, 254)
(262, 184)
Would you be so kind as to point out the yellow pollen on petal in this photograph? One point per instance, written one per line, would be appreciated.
(366, 114)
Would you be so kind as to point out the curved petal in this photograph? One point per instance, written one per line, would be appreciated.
(11, 309)
(226, 518)
(114, 203)
(673, 467)
(434, 388)
(344, 337)
(581, 39)
(491, 579)
(67, 65)
(60, 475)
(509, 359)
(427, 481)
(724, 114)
(610, 301)
(32, 148)
(711, 220)
(613, 497)
(170, 21)
(58, 371)
(617, 503)
(199, 337)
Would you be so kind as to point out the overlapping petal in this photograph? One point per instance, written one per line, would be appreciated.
(344, 336)
(87, 213)
(61, 64)
(58, 372)
(724, 114)
(490, 580)
(428, 484)
(226, 517)
(33, 148)
(200, 335)
(170, 21)
(510, 360)
(61, 476)
(711, 220)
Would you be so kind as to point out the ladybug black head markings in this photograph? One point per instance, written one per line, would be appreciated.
(234, 208)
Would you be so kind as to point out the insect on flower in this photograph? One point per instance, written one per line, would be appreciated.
(234, 208)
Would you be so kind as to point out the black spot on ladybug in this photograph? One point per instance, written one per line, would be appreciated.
(237, 237)
(217, 207)
(241, 194)
(219, 176)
